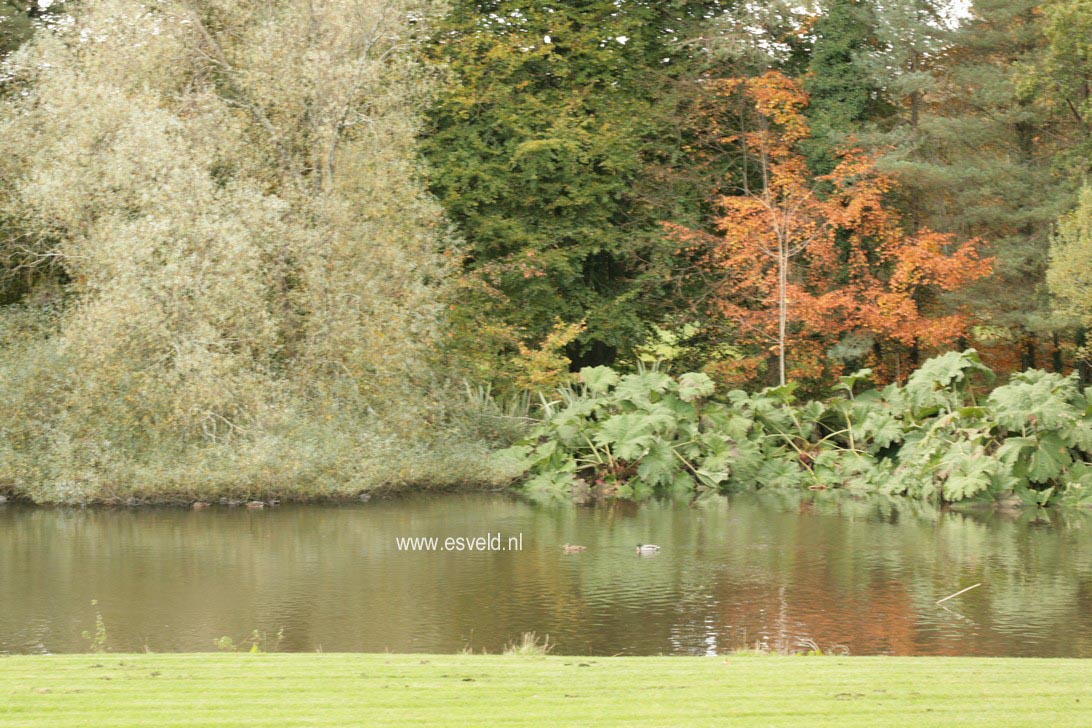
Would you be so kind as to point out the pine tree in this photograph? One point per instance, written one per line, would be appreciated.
(844, 96)
(978, 162)
(911, 39)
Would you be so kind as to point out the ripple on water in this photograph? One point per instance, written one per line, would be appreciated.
(773, 568)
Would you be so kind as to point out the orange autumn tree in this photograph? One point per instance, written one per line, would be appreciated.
(803, 262)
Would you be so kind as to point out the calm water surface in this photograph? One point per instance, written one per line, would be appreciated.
(773, 568)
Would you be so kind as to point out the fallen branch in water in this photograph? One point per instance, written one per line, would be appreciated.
(958, 593)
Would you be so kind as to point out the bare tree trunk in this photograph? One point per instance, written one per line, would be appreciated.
(1084, 368)
(915, 95)
(1029, 354)
(782, 309)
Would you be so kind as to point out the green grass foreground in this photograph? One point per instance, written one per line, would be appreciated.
(471, 690)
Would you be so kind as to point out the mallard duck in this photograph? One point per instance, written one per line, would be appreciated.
(573, 548)
(199, 505)
(647, 548)
(254, 505)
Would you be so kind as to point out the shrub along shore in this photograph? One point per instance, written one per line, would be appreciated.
(458, 690)
(944, 435)
(194, 481)
(947, 435)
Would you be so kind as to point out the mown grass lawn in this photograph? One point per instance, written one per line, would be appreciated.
(478, 690)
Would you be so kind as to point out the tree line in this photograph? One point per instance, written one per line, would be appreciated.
(900, 135)
(287, 242)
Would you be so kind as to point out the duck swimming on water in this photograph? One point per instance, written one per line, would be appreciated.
(573, 548)
(647, 548)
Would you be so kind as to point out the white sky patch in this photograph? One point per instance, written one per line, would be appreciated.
(959, 9)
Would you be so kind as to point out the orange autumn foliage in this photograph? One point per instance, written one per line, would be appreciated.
(841, 258)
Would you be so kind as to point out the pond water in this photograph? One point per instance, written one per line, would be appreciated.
(774, 568)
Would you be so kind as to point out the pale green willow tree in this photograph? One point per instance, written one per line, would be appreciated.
(234, 268)
(1070, 275)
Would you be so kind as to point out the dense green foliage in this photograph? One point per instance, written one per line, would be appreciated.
(844, 94)
(248, 243)
(937, 437)
(547, 149)
(563, 139)
(643, 429)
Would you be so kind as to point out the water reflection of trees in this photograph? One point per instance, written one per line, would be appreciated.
(771, 567)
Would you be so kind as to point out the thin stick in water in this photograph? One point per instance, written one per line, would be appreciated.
(958, 593)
